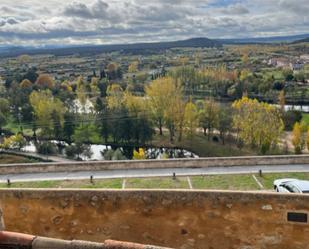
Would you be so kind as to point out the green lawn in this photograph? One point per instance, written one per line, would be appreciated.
(225, 182)
(157, 183)
(14, 127)
(268, 179)
(306, 118)
(109, 184)
(243, 182)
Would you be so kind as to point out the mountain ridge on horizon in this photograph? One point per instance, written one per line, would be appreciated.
(11, 51)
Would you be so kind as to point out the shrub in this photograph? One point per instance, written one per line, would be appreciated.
(46, 148)
(290, 118)
(139, 155)
(113, 155)
(78, 150)
(14, 142)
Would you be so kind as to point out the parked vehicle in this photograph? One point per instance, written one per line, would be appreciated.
(291, 186)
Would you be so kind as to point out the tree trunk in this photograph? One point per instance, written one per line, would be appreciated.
(160, 127)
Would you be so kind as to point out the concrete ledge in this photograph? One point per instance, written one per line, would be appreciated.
(177, 219)
(9, 240)
(150, 164)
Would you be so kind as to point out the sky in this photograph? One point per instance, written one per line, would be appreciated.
(72, 22)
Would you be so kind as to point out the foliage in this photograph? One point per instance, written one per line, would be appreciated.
(209, 116)
(46, 148)
(297, 138)
(48, 111)
(281, 100)
(133, 67)
(113, 155)
(115, 97)
(78, 150)
(307, 140)
(191, 118)
(139, 155)
(3, 120)
(259, 124)
(290, 118)
(86, 134)
(14, 142)
(4, 106)
(225, 122)
(45, 81)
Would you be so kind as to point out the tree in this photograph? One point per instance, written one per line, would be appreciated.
(26, 83)
(288, 74)
(307, 140)
(133, 67)
(281, 100)
(47, 109)
(115, 97)
(259, 124)
(4, 106)
(2, 121)
(45, 81)
(142, 130)
(174, 110)
(297, 138)
(245, 59)
(191, 119)
(81, 93)
(86, 134)
(69, 126)
(224, 122)
(290, 117)
(209, 116)
(14, 142)
(156, 94)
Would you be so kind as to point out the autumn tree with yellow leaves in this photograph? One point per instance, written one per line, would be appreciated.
(191, 119)
(259, 124)
(49, 111)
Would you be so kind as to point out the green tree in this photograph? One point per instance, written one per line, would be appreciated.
(3, 121)
(209, 116)
(224, 122)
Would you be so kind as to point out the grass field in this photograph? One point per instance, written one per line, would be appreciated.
(9, 159)
(160, 183)
(268, 179)
(243, 182)
(108, 184)
(15, 127)
(306, 119)
(225, 182)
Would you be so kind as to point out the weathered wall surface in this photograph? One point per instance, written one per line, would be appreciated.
(172, 163)
(178, 219)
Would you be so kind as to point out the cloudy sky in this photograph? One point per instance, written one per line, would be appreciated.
(41, 22)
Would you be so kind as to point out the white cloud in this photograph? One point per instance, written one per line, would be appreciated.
(115, 21)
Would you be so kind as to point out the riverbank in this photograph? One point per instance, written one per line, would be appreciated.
(13, 158)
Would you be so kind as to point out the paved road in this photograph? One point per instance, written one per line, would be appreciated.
(153, 172)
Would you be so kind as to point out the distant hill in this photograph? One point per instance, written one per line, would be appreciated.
(193, 43)
(302, 40)
(272, 39)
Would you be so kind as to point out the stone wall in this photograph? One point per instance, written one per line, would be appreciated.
(172, 163)
(178, 219)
